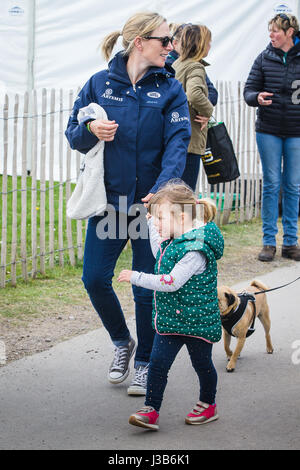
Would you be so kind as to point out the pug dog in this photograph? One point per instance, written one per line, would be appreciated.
(229, 302)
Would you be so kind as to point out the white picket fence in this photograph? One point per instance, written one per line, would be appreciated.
(38, 169)
(244, 193)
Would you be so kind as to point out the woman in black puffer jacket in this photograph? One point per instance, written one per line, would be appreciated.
(274, 86)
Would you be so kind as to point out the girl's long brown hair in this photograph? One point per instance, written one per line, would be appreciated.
(194, 42)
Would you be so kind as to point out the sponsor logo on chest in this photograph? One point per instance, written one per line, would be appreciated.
(108, 94)
(153, 94)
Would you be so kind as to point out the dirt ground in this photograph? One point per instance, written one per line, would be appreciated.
(42, 332)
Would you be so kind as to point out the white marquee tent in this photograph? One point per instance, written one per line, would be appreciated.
(54, 43)
(48, 49)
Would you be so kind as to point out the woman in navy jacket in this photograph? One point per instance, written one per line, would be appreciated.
(147, 134)
(273, 85)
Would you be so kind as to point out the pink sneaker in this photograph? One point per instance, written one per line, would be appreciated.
(146, 417)
(202, 413)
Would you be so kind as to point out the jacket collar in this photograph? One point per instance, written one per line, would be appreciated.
(173, 55)
(194, 234)
(117, 70)
(189, 61)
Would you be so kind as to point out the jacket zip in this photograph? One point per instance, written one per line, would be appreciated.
(283, 93)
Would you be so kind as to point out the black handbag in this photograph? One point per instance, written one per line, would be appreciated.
(220, 163)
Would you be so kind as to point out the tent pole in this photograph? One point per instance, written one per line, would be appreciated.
(30, 76)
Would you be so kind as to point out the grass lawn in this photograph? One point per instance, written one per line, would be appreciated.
(36, 315)
(29, 220)
(62, 286)
(37, 208)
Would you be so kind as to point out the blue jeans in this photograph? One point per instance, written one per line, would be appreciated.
(273, 151)
(191, 171)
(165, 349)
(100, 258)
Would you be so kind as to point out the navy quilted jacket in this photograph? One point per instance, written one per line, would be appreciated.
(278, 73)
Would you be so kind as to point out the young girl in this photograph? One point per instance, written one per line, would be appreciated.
(185, 304)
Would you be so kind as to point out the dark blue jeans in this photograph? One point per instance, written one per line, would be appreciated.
(100, 258)
(191, 171)
(165, 349)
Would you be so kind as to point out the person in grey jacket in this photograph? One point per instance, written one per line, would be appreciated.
(272, 87)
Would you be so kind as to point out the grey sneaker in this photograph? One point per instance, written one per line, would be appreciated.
(119, 368)
(139, 384)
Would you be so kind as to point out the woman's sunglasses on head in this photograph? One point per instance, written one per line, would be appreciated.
(180, 29)
(284, 17)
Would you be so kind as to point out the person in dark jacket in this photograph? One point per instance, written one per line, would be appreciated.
(273, 86)
(146, 138)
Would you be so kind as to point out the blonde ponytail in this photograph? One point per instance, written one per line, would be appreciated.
(207, 210)
(109, 43)
(141, 24)
(182, 198)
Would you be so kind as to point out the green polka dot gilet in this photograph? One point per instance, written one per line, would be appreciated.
(193, 309)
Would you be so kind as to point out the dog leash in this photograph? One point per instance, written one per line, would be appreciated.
(275, 288)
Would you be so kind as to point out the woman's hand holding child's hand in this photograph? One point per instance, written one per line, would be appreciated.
(125, 275)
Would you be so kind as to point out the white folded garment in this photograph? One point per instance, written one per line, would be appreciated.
(89, 196)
